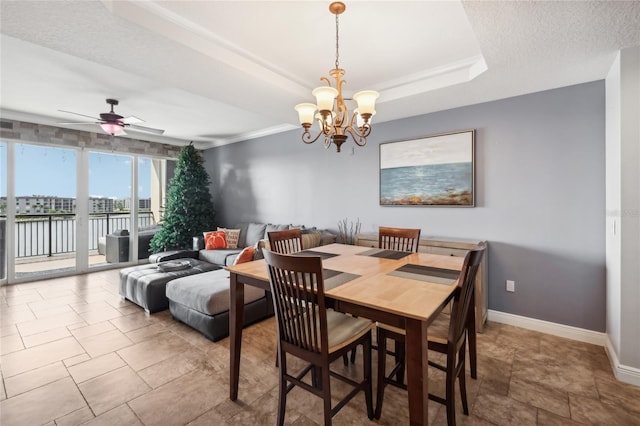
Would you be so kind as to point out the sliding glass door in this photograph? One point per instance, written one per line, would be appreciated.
(65, 211)
(3, 212)
(45, 210)
(109, 208)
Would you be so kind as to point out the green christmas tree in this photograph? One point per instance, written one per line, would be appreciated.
(189, 210)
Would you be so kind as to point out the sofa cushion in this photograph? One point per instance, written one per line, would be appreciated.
(246, 255)
(255, 232)
(327, 238)
(232, 237)
(215, 240)
(272, 228)
(218, 256)
(311, 240)
(306, 230)
(207, 292)
(242, 239)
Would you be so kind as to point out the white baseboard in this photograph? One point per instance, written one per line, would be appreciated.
(624, 373)
(547, 327)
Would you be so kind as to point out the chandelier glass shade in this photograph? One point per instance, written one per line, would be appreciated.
(330, 110)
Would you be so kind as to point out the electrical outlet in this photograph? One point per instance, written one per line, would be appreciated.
(511, 286)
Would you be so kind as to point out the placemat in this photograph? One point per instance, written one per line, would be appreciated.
(426, 273)
(315, 253)
(333, 279)
(386, 254)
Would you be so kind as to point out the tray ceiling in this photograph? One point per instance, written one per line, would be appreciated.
(217, 72)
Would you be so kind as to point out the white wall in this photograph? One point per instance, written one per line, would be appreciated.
(623, 207)
(613, 176)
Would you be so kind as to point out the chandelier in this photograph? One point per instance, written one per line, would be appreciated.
(333, 116)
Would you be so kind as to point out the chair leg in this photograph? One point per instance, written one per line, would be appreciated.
(463, 391)
(471, 336)
(450, 401)
(382, 355)
(326, 394)
(368, 390)
(316, 377)
(462, 381)
(400, 355)
(345, 359)
(353, 354)
(282, 394)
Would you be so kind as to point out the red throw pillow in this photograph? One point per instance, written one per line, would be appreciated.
(215, 240)
(246, 255)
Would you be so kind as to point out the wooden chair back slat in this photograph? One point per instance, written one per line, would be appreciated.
(399, 239)
(297, 287)
(285, 242)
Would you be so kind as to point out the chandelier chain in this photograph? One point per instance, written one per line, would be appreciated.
(337, 42)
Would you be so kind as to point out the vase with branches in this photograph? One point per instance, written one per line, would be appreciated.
(347, 231)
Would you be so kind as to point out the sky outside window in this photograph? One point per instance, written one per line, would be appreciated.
(42, 170)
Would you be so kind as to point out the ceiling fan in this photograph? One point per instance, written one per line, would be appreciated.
(114, 124)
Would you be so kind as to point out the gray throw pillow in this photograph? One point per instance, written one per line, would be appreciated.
(242, 239)
(255, 232)
(271, 228)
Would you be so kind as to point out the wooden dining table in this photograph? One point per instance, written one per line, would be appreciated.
(406, 290)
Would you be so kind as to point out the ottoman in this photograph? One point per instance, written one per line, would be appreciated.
(202, 302)
(145, 285)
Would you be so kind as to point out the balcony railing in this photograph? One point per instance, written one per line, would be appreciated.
(55, 233)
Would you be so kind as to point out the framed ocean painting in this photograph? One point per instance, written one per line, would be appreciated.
(436, 170)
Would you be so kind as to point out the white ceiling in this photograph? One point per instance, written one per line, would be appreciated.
(217, 72)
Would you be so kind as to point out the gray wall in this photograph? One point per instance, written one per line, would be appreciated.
(540, 200)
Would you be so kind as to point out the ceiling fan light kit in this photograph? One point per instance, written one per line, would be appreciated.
(114, 129)
(114, 124)
(333, 116)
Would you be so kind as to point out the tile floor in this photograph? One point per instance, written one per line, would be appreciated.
(73, 353)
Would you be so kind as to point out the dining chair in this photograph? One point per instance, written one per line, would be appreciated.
(399, 239)
(285, 242)
(407, 239)
(449, 339)
(317, 335)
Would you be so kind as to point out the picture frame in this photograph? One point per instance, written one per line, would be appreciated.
(436, 170)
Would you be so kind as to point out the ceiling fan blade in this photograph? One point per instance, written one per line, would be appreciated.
(81, 115)
(75, 122)
(132, 120)
(145, 129)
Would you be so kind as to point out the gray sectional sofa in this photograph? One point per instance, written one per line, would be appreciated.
(255, 234)
(199, 295)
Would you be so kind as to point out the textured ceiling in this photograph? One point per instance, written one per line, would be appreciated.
(216, 72)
